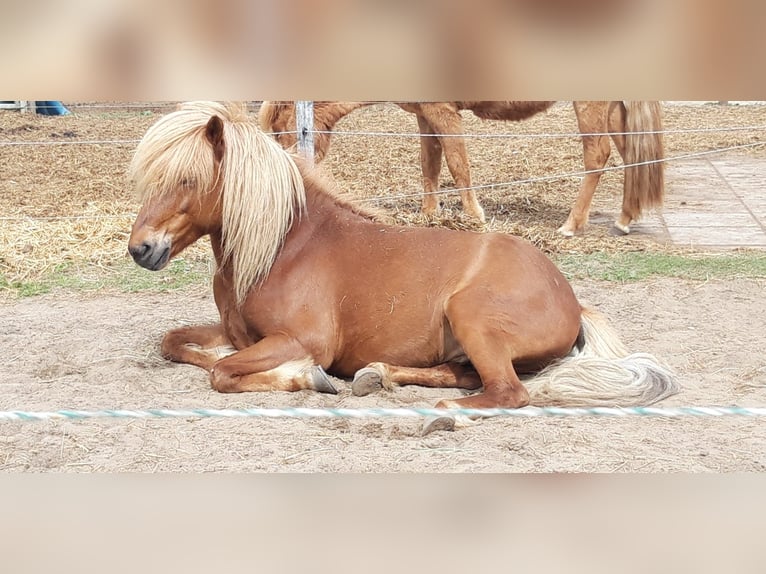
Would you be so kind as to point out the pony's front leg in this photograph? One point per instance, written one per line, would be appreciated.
(591, 119)
(275, 363)
(201, 345)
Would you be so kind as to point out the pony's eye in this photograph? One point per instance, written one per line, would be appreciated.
(187, 182)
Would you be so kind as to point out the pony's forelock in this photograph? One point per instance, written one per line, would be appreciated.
(261, 186)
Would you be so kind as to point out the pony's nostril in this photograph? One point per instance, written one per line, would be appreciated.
(139, 251)
(151, 255)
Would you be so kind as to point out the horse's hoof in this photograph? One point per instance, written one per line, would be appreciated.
(366, 381)
(618, 230)
(442, 423)
(565, 231)
(477, 215)
(321, 381)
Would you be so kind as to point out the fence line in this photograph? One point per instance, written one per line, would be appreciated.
(71, 142)
(418, 135)
(560, 176)
(448, 191)
(365, 413)
(538, 135)
(67, 217)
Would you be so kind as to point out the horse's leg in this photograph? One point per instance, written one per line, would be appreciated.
(446, 120)
(491, 354)
(430, 164)
(200, 345)
(491, 348)
(642, 154)
(616, 124)
(591, 119)
(275, 363)
(376, 376)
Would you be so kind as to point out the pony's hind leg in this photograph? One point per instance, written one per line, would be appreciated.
(491, 350)
(617, 127)
(200, 345)
(377, 376)
(641, 148)
(591, 119)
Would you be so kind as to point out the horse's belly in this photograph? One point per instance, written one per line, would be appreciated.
(401, 345)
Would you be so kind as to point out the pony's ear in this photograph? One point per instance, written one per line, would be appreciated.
(214, 134)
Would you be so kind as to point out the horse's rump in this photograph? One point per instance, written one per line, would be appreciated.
(508, 110)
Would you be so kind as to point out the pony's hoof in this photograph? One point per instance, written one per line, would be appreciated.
(618, 230)
(366, 381)
(477, 214)
(321, 381)
(566, 231)
(442, 423)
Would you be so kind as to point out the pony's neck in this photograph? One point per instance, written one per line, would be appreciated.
(327, 114)
(325, 209)
(216, 242)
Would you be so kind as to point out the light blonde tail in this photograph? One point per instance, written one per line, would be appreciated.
(644, 184)
(601, 373)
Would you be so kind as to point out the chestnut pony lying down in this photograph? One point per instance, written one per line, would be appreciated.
(308, 284)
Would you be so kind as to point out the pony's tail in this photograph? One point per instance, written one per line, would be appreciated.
(601, 372)
(644, 184)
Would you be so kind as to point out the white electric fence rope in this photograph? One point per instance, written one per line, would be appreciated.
(348, 413)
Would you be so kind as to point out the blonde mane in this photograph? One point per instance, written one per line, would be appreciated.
(261, 185)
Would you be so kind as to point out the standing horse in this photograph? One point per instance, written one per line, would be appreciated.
(634, 128)
(308, 284)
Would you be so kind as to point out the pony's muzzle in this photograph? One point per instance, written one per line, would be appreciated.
(151, 255)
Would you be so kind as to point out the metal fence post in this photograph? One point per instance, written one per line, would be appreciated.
(304, 125)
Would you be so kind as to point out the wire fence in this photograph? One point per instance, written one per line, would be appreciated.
(455, 190)
(351, 133)
(366, 413)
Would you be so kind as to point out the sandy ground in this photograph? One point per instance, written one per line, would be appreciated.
(101, 352)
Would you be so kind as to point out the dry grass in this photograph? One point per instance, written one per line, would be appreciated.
(86, 183)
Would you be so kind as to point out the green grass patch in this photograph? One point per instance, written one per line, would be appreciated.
(624, 267)
(127, 278)
(184, 274)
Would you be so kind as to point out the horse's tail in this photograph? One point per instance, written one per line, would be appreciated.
(645, 183)
(601, 372)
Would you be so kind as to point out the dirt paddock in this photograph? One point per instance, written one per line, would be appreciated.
(99, 350)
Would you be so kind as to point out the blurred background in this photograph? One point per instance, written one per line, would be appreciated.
(414, 50)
